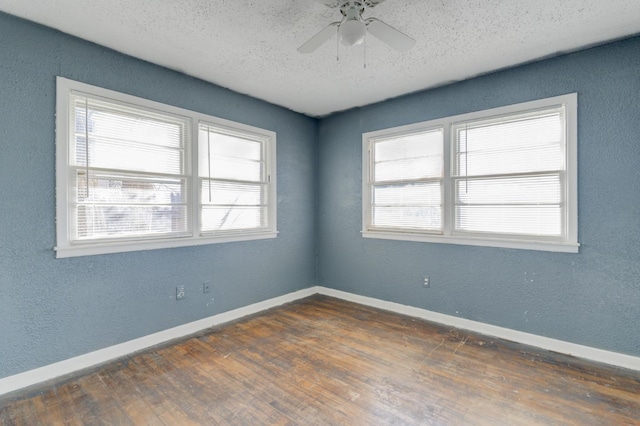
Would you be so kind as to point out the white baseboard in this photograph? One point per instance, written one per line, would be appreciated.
(560, 346)
(92, 359)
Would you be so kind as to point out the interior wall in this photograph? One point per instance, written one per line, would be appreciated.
(54, 309)
(590, 298)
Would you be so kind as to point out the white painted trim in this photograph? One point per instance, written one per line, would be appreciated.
(560, 346)
(567, 243)
(128, 246)
(92, 359)
(67, 246)
(475, 241)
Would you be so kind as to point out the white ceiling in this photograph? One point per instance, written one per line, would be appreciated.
(250, 46)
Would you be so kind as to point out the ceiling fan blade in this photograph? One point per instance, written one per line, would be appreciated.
(371, 3)
(386, 33)
(319, 39)
(331, 3)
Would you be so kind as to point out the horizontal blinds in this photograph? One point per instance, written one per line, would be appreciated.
(234, 183)
(406, 181)
(408, 157)
(509, 174)
(129, 171)
(415, 206)
(111, 136)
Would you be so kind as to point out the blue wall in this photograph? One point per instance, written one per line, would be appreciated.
(53, 309)
(591, 298)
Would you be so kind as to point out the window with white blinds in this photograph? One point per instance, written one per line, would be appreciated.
(505, 177)
(234, 183)
(132, 175)
(508, 174)
(406, 181)
(128, 171)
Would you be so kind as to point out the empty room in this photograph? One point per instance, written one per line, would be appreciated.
(319, 212)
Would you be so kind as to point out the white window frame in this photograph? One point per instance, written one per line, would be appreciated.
(67, 247)
(568, 243)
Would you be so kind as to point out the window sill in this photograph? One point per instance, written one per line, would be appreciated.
(90, 249)
(482, 242)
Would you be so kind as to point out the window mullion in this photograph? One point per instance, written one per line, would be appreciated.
(565, 203)
(507, 175)
(406, 181)
(196, 187)
(448, 195)
(125, 172)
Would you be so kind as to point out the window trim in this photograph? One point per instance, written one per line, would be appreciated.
(65, 247)
(448, 236)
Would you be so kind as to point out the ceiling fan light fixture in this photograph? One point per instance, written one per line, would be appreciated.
(352, 32)
(353, 28)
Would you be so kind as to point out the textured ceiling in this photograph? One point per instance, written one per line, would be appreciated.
(250, 46)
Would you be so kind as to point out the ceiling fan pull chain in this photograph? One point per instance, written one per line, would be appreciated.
(338, 43)
(365, 51)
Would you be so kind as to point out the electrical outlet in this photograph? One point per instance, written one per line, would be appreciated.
(427, 282)
(206, 287)
(180, 292)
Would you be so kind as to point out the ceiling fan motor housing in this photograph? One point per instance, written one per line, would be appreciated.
(352, 30)
(352, 8)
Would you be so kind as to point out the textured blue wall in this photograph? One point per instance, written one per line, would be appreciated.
(52, 309)
(591, 298)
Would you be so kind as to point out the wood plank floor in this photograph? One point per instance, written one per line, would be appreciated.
(323, 361)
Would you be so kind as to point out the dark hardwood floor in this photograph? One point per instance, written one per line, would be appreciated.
(323, 361)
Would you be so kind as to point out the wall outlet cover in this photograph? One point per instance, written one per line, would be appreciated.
(180, 292)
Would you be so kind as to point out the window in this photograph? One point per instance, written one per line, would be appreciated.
(133, 175)
(406, 181)
(234, 182)
(505, 177)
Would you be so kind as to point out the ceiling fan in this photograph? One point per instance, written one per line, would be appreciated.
(353, 28)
